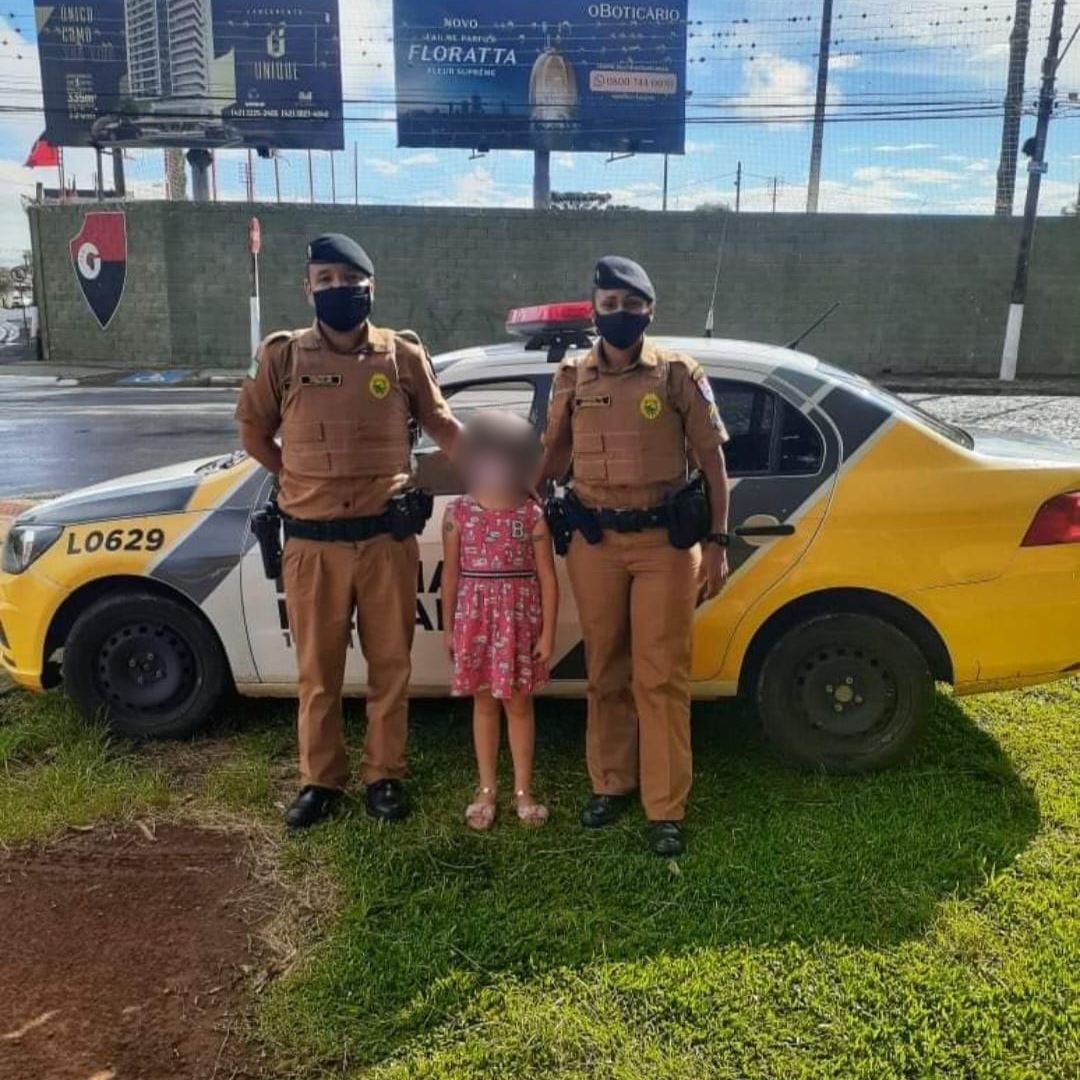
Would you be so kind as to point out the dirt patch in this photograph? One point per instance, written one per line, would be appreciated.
(127, 956)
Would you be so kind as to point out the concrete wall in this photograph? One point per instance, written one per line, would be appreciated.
(918, 294)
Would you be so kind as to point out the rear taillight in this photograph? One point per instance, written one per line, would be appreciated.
(1057, 522)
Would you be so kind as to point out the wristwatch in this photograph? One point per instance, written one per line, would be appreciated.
(721, 538)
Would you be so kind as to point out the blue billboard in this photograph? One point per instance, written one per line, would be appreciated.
(191, 73)
(559, 75)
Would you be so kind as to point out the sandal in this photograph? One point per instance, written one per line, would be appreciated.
(529, 813)
(480, 815)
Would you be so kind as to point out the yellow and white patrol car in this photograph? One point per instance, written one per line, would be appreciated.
(876, 550)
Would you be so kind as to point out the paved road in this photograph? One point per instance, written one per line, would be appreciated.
(58, 438)
(55, 439)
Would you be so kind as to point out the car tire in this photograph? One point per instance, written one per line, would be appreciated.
(148, 665)
(844, 692)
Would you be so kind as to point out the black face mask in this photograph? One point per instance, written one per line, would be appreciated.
(621, 328)
(343, 307)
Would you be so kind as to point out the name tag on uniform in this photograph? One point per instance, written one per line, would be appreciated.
(320, 380)
(592, 402)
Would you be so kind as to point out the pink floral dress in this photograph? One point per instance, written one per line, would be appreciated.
(498, 618)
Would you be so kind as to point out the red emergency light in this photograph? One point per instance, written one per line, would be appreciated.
(550, 319)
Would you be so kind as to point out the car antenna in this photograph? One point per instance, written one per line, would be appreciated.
(716, 279)
(813, 326)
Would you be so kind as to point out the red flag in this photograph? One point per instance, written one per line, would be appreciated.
(42, 154)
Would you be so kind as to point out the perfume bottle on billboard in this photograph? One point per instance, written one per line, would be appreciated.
(553, 91)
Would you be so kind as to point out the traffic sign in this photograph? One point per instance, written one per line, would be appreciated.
(1037, 167)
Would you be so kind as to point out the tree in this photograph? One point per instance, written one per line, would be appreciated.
(585, 200)
(714, 207)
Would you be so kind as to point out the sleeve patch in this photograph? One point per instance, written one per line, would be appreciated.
(701, 381)
(714, 418)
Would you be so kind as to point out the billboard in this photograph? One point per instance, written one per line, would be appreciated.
(561, 75)
(192, 73)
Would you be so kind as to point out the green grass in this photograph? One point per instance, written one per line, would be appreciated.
(923, 922)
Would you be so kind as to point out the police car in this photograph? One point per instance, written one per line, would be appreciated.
(876, 550)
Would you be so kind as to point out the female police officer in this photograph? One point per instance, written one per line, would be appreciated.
(624, 419)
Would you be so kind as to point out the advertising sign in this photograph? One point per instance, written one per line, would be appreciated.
(191, 73)
(583, 75)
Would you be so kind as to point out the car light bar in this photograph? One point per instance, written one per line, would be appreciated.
(1056, 522)
(529, 322)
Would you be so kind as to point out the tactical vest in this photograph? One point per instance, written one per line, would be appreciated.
(626, 430)
(344, 415)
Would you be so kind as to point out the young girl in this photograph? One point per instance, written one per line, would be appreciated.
(500, 598)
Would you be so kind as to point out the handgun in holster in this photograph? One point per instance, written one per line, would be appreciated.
(556, 517)
(409, 512)
(688, 513)
(266, 528)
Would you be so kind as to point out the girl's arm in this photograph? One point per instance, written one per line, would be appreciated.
(549, 589)
(451, 567)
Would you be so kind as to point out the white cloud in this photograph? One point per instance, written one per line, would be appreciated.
(775, 87)
(903, 148)
(565, 161)
(881, 173)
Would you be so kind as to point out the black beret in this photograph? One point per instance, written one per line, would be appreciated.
(616, 272)
(338, 248)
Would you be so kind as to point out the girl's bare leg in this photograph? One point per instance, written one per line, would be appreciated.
(521, 726)
(487, 720)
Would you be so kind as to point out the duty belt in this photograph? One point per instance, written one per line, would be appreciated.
(361, 528)
(626, 521)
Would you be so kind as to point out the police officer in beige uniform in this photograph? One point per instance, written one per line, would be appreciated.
(628, 419)
(342, 394)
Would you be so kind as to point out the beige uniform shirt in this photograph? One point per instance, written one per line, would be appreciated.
(343, 418)
(629, 436)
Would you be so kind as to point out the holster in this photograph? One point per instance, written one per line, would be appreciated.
(689, 515)
(266, 528)
(409, 512)
(556, 516)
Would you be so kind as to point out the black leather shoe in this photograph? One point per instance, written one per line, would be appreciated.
(603, 810)
(665, 838)
(386, 800)
(311, 806)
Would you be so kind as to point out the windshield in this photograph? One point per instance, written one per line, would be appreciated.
(912, 411)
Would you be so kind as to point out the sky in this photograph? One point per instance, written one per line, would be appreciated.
(753, 60)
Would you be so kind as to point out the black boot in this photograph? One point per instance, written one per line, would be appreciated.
(311, 806)
(603, 810)
(386, 800)
(665, 838)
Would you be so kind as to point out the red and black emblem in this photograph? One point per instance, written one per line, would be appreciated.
(99, 255)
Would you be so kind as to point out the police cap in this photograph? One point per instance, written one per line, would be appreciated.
(339, 248)
(617, 272)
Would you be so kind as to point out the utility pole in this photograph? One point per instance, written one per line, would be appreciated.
(775, 182)
(1036, 167)
(277, 175)
(333, 180)
(738, 185)
(250, 177)
(118, 172)
(819, 108)
(310, 179)
(664, 204)
(355, 175)
(1014, 104)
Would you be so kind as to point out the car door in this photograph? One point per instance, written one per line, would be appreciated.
(782, 460)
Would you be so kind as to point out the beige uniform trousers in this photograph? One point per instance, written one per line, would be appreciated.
(636, 596)
(324, 584)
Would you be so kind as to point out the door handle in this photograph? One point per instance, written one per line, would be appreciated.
(778, 529)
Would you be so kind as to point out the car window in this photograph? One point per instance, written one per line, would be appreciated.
(767, 434)
(516, 396)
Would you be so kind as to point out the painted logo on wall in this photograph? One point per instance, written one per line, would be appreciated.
(99, 256)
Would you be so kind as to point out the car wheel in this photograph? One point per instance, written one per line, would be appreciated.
(845, 692)
(147, 664)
